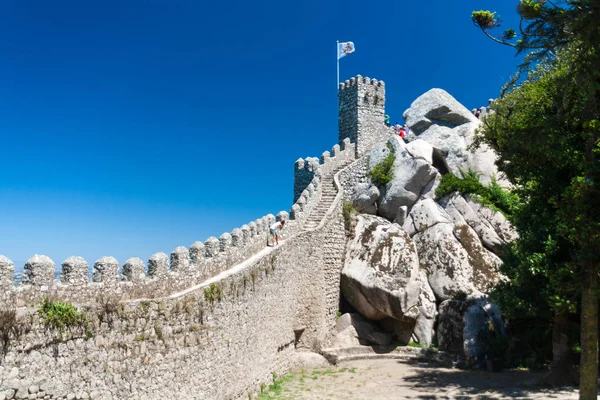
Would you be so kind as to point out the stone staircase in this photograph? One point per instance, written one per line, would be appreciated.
(328, 193)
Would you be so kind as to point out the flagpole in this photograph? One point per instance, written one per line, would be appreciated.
(337, 55)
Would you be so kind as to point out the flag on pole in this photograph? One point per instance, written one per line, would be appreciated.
(344, 49)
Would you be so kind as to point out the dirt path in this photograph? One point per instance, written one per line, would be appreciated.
(398, 379)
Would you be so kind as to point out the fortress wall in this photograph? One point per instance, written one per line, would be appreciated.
(163, 274)
(186, 325)
(216, 342)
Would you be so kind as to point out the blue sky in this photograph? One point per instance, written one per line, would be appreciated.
(132, 127)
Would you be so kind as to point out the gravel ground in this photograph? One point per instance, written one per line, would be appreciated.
(398, 379)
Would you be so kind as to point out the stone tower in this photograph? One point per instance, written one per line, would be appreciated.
(361, 112)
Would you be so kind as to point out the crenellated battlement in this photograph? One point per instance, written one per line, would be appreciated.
(358, 78)
(160, 276)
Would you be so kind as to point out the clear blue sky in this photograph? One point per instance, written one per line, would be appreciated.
(132, 127)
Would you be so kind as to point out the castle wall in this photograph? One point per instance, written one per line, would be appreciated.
(210, 322)
(193, 345)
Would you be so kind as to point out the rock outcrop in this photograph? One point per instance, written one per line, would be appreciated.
(381, 268)
(437, 118)
(415, 255)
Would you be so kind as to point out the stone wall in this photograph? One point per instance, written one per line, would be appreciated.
(210, 322)
(208, 342)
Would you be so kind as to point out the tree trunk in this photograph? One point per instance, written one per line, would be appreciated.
(563, 370)
(588, 378)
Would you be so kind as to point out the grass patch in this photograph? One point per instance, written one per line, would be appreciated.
(382, 173)
(415, 345)
(491, 195)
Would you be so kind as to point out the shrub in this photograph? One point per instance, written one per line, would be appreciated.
(382, 173)
(61, 316)
(492, 195)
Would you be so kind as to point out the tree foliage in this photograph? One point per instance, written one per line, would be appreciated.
(546, 133)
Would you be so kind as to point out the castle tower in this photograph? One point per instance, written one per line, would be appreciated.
(361, 112)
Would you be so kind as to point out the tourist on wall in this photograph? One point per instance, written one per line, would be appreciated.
(277, 226)
(386, 120)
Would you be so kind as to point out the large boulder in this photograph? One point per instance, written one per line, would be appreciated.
(462, 212)
(436, 107)
(353, 330)
(365, 197)
(423, 331)
(427, 213)
(446, 262)
(437, 118)
(409, 176)
(467, 326)
(451, 326)
(381, 268)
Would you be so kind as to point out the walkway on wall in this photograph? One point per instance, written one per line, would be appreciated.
(328, 194)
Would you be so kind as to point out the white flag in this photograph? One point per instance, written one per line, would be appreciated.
(344, 49)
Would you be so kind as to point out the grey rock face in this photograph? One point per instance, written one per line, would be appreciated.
(466, 327)
(354, 330)
(462, 212)
(158, 264)
(451, 326)
(380, 274)
(365, 197)
(106, 269)
(423, 332)
(427, 213)
(445, 261)
(410, 176)
(437, 118)
(436, 107)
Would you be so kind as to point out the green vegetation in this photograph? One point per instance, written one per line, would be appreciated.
(348, 213)
(491, 195)
(213, 292)
(546, 132)
(382, 173)
(415, 345)
(61, 316)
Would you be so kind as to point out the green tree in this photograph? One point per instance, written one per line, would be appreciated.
(551, 122)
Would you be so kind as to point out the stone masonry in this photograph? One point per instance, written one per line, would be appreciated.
(212, 321)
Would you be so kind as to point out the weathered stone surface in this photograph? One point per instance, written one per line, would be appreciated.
(39, 271)
(466, 327)
(451, 326)
(134, 270)
(7, 272)
(158, 264)
(420, 149)
(445, 261)
(353, 330)
(365, 197)
(482, 321)
(409, 176)
(379, 277)
(106, 269)
(427, 213)
(495, 218)
(307, 360)
(461, 212)
(423, 332)
(401, 215)
(483, 262)
(436, 107)
(74, 271)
